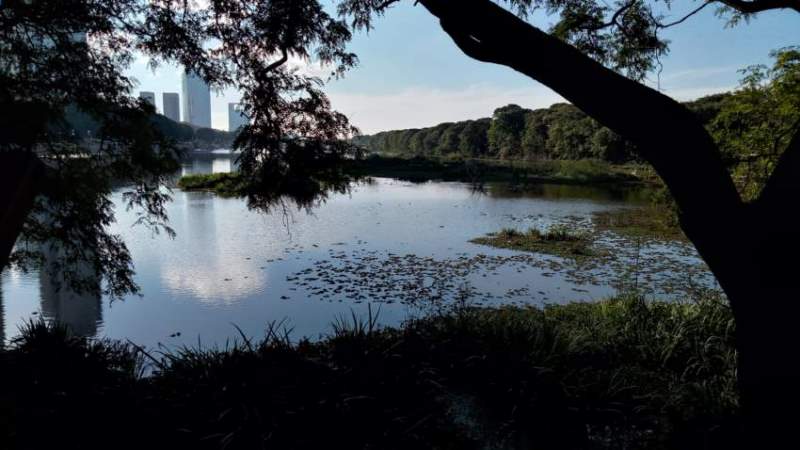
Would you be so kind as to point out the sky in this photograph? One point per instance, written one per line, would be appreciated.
(411, 75)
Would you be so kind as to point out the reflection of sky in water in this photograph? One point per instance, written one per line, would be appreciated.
(229, 265)
(221, 166)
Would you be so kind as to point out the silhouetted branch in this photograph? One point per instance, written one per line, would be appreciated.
(749, 7)
(280, 62)
(666, 133)
(686, 17)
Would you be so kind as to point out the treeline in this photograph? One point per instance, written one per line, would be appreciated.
(83, 125)
(560, 132)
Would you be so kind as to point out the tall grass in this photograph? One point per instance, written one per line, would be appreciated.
(621, 373)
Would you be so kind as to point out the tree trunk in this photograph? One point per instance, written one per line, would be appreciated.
(20, 173)
(749, 248)
(764, 294)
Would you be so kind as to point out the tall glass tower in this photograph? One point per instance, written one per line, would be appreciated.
(172, 106)
(196, 100)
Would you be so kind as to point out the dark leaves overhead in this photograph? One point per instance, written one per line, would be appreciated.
(73, 54)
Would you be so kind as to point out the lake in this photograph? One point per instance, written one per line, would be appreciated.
(397, 249)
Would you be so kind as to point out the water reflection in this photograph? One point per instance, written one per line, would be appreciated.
(556, 192)
(214, 273)
(2, 319)
(198, 163)
(232, 265)
(81, 312)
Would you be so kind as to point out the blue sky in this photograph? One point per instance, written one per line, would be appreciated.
(412, 75)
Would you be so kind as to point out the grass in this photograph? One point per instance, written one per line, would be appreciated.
(225, 184)
(622, 373)
(650, 222)
(557, 240)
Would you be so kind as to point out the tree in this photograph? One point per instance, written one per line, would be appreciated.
(570, 133)
(505, 132)
(594, 57)
(754, 125)
(472, 141)
(534, 138)
(448, 143)
(62, 55)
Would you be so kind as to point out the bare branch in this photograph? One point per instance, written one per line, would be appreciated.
(687, 16)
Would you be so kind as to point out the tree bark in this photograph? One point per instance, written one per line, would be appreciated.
(20, 174)
(744, 245)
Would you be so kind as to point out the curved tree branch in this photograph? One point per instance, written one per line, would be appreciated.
(666, 133)
(283, 59)
(685, 17)
(754, 6)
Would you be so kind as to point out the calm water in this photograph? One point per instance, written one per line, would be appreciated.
(386, 244)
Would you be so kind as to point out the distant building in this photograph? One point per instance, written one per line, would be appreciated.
(196, 100)
(172, 106)
(236, 117)
(149, 97)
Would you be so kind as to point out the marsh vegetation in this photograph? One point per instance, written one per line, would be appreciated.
(557, 240)
(621, 373)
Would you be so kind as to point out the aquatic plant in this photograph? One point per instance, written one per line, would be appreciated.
(557, 240)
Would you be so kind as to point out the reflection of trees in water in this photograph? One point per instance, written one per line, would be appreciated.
(80, 310)
(554, 191)
(304, 191)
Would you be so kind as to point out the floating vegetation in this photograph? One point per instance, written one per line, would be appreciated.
(649, 222)
(360, 275)
(558, 240)
(224, 184)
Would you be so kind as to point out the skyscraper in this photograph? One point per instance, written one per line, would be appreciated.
(149, 97)
(172, 106)
(236, 117)
(196, 100)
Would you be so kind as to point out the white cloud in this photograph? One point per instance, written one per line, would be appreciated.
(692, 93)
(419, 107)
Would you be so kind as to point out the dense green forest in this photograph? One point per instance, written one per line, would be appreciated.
(82, 124)
(561, 131)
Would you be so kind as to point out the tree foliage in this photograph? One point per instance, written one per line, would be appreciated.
(47, 67)
(58, 56)
(558, 132)
(755, 124)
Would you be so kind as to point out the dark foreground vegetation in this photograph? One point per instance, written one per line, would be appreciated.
(622, 373)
